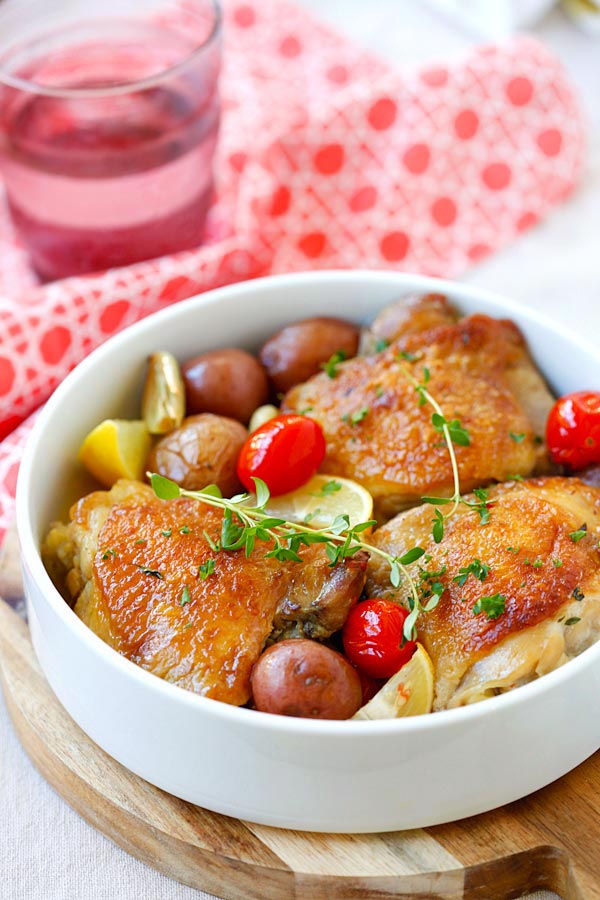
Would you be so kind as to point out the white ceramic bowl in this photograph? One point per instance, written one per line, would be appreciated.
(295, 773)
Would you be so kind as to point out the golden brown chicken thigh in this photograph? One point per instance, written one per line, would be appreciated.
(132, 564)
(479, 371)
(541, 548)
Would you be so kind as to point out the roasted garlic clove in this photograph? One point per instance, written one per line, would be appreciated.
(261, 415)
(163, 401)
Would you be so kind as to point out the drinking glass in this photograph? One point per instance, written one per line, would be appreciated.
(109, 113)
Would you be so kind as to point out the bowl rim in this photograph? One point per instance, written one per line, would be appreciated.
(443, 719)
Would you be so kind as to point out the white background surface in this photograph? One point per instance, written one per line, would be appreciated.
(46, 851)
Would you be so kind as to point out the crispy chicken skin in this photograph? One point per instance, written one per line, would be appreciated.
(410, 315)
(546, 578)
(131, 563)
(377, 434)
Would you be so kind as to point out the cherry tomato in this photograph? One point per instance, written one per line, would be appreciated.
(372, 638)
(573, 430)
(285, 452)
(369, 686)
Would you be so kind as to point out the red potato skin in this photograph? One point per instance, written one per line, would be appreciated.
(297, 352)
(227, 382)
(303, 678)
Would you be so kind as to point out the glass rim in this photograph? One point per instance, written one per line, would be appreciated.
(125, 87)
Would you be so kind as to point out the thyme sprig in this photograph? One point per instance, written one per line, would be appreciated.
(452, 432)
(246, 520)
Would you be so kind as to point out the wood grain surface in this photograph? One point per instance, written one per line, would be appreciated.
(548, 840)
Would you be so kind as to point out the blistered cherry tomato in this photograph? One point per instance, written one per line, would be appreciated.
(373, 638)
(285, 452)
(369, 686)
(573, 430)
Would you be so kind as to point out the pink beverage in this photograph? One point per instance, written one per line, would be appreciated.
(107, 153)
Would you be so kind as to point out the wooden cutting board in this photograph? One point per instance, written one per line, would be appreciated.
(548, 840)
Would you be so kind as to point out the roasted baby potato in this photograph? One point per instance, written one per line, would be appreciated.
(298, 351)
(202, 451)
(303, 678)
(227, 382)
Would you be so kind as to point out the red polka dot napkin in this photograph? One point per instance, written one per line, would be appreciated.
(328, 158)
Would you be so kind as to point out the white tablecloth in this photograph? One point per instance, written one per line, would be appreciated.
(46, 851)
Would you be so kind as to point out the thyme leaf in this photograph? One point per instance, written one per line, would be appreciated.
(576, 536)
(493, 606)
(330, 487)
(476, 568)
(330, 367)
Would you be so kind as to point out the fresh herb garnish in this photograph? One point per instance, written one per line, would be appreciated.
(185, 530)
(458, 434)
(206, 569)
(379, 391)
(421, 389)
(453, 433)
(425, 397)
(557, 563)
(215, 546)
(514, 549)
(430, 584)
(492, 606)
(437, 529)
(330, 367)
(515, 477)
(330, 487)
(108, 553)
(381, 344)
(356, 417)
(580, 533)
(141, 542)
(409, 357)
(310, 516)
(185, 596)
(482, 505)
(573, 620)
(517, 438)
(538, 564)
(476, 568)
(166, 533)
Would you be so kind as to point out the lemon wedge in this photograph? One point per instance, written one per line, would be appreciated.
(407, 693)
(116, 448)
(321, 499)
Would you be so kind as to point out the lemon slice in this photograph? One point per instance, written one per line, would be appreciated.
(117, 448)
(407, 693)
(320, 500)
